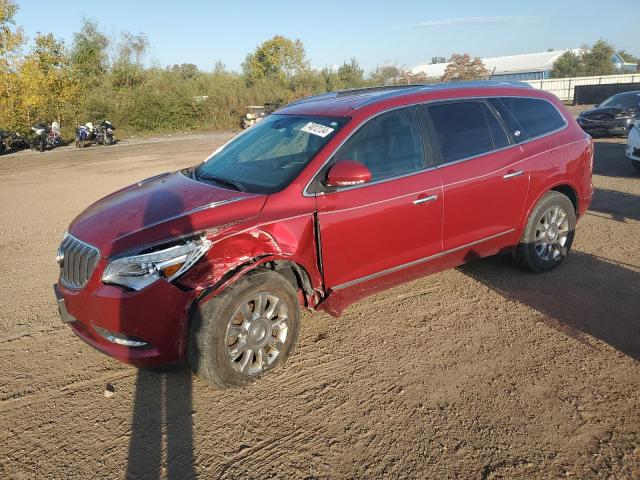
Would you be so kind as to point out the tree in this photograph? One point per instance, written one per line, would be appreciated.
(463, 67)
(597, 60)
(89, 52)
(128, 70)
(11, 42)
(278, 58)
(351, 75)
(569, 64)
(385, 74)
(435, 60)
(47, 84)
(186, 71)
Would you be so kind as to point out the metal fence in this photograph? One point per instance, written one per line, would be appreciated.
(563, 88)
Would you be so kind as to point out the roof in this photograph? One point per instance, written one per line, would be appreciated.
(345, 101)
(527, 62)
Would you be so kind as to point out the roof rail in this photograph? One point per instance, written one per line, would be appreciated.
(355, 91)
(390, 91)
(445, 86)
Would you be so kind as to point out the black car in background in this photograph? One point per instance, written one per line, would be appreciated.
(614, 116)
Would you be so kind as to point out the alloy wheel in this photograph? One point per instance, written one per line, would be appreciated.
(552, 232)
(256, 333)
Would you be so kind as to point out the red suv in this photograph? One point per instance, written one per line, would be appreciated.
(328, 200)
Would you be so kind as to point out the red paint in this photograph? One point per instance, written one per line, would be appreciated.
(363, 230)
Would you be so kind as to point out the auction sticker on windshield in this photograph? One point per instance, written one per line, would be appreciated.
(317, 129)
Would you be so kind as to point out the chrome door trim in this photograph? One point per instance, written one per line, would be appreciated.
(413, 263)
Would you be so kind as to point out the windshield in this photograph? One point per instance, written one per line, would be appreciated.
(269, 155)
(623, 100)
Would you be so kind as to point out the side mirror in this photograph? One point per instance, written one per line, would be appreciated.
(346, 173)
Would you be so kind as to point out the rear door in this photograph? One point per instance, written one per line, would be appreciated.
(484, 173)
(369, 230)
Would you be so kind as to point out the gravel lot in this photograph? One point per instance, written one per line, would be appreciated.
(481, 372)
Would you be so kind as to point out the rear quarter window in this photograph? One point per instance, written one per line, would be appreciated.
(535, 116)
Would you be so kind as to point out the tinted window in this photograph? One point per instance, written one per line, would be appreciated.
(389, 145)
(623, 100)
(536, 116)
(498, 134)
(461, 130)
(510, 122)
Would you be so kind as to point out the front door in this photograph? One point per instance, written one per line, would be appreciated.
(372, 230)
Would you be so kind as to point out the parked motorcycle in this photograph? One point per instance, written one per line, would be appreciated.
(12, 141)
(83, 135)
(46, 136)
(104, 133)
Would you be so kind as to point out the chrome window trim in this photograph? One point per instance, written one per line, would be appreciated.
(420, 261)
(306, 193)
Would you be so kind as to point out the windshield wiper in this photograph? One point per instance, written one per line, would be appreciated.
(222, 181)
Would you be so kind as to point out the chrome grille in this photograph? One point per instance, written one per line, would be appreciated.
(78, 259)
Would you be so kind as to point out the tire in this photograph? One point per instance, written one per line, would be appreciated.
(212, 347)
(636, 165)
(108, 139)
(552, 223)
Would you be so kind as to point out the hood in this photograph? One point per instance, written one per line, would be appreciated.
(608, 111)
(158, 209)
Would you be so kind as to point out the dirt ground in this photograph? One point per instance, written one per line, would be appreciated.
(481, 372)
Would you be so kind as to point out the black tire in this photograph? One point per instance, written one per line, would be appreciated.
(527, 252)
(207, 350)
(636, 165)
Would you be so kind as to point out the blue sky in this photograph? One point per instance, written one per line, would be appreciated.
(374, 31)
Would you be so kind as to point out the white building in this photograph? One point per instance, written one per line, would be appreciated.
(527, 66)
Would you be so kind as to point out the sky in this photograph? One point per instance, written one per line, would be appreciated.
(375, 32)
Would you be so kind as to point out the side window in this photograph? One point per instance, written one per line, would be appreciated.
(498, 134)
(389, 145)
(536, 116)
(510, 122)
(461, 129)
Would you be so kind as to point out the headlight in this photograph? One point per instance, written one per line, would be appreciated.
(138, 271)
(624, 114)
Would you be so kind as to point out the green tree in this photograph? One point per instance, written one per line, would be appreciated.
(597, 59)
(463, 67)
(89, 53)
(569, 64)
(351, 75)
(435, 60)
(186, 71)
(128, 68)
(384, 74)
(278, 58)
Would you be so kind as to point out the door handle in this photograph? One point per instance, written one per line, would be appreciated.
(430, 198)
(512, 174)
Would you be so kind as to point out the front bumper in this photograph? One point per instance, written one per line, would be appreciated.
(632, 149)
(157, 314)
(620, 126)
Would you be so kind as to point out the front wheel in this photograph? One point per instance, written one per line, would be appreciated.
(246, 331)
(548, 235)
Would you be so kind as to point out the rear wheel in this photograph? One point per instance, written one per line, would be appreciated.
(548, 235)
(249, 329)
(636, 165)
